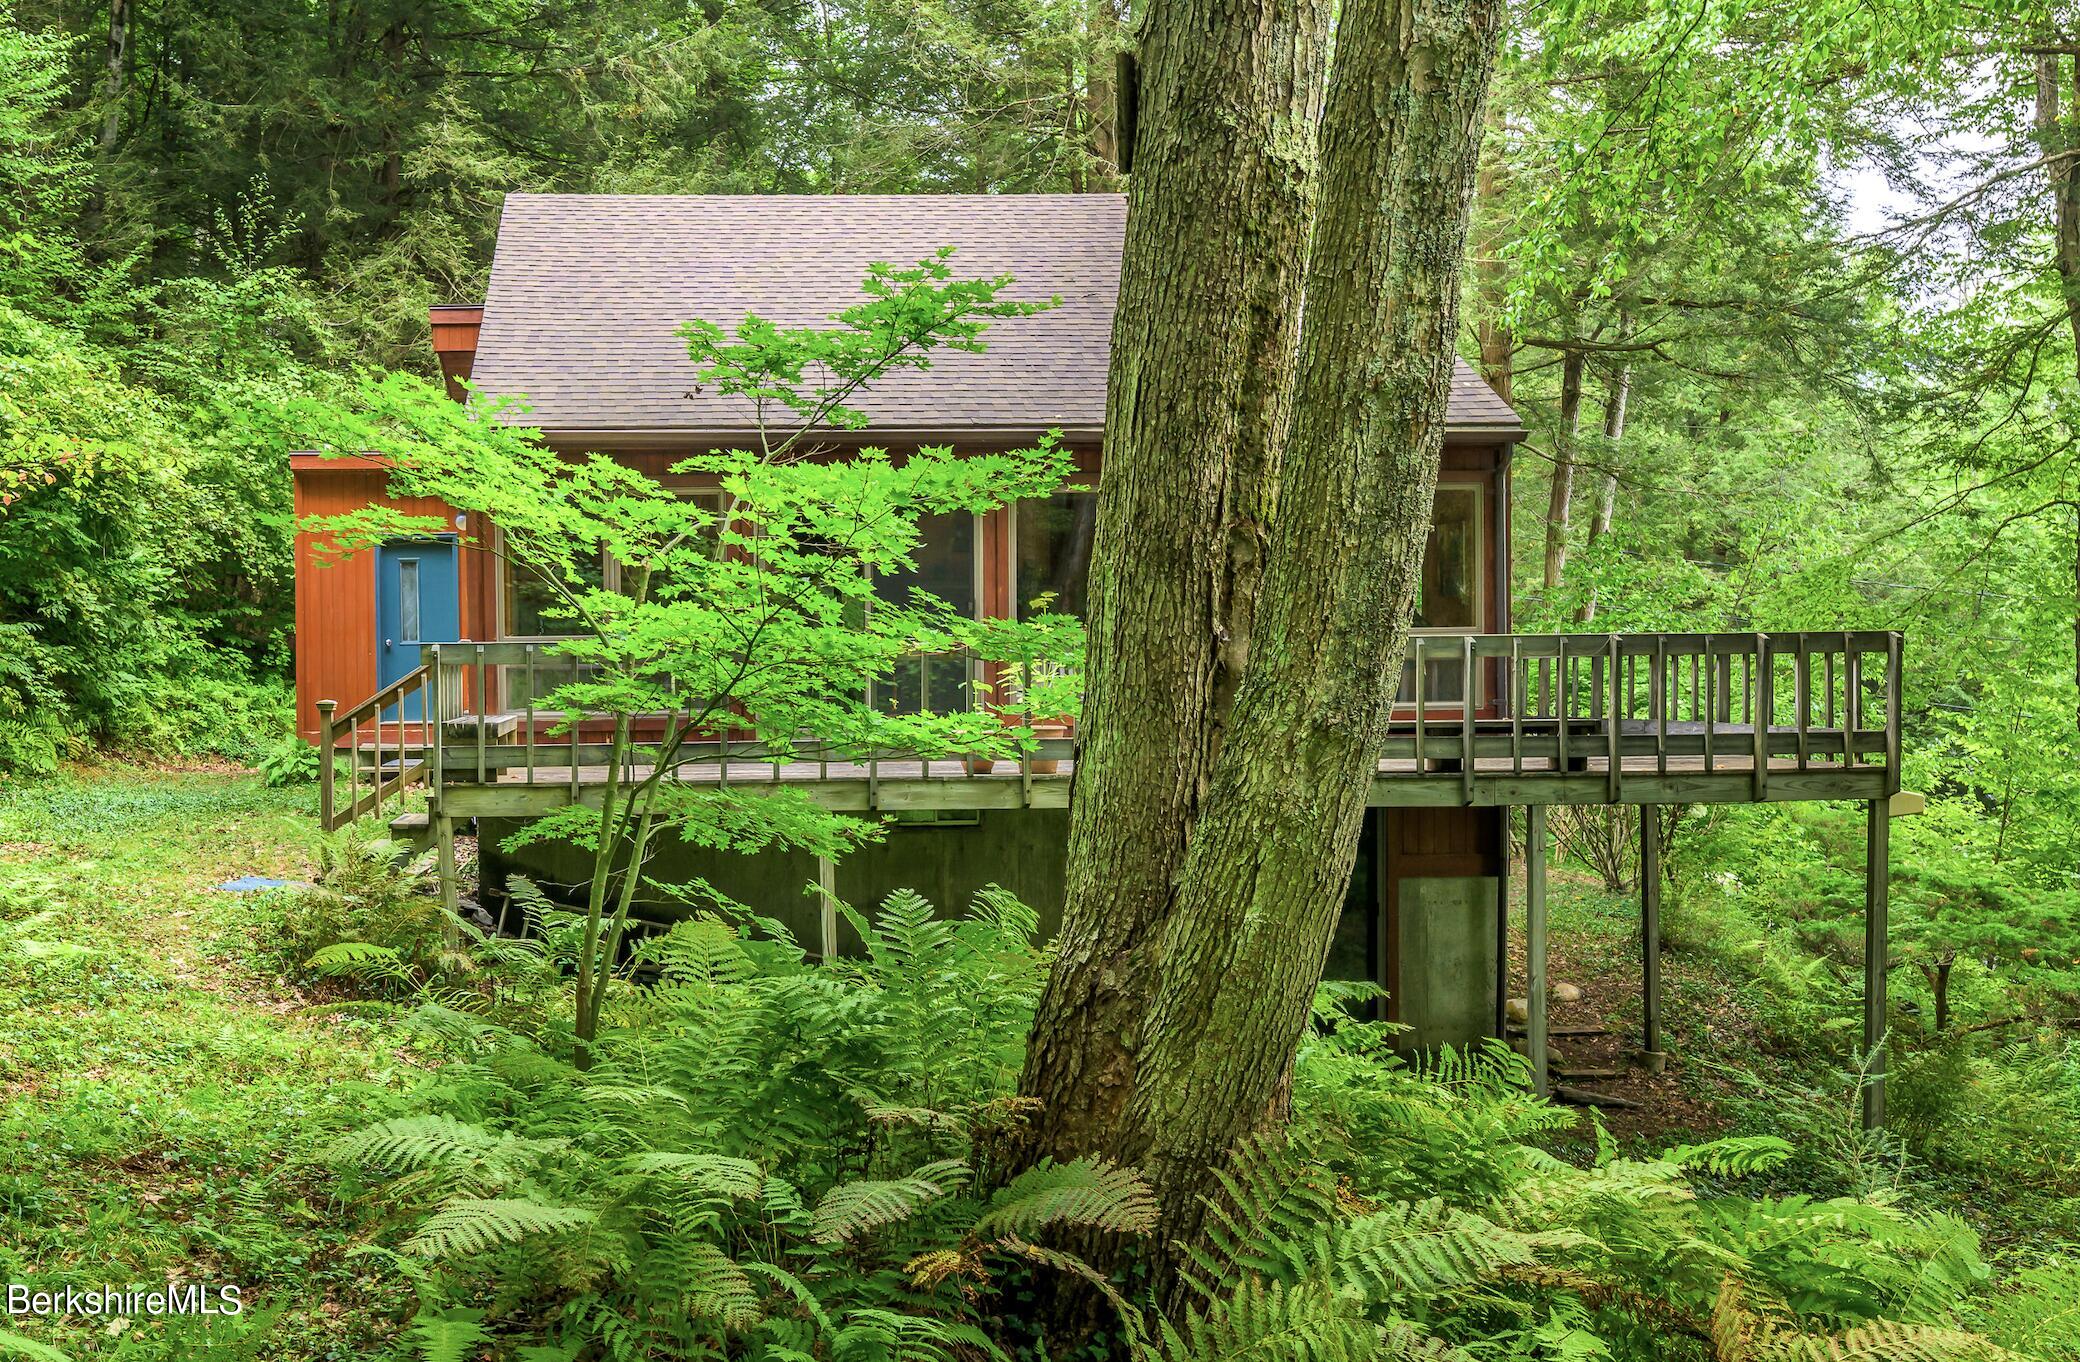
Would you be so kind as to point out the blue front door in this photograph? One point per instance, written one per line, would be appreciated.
(417, 601)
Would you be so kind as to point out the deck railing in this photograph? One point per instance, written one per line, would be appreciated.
(385, 739)
(1576, 718)
(1623, 705)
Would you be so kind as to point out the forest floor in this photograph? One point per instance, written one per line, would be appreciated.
(162, 1087)
(165, 1088)
(1594, 945)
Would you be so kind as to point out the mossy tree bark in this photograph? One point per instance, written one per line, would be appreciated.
(1210, 850)
(1220, 204)
(1270, 855)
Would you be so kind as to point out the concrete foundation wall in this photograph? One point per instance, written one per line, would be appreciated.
(1447, 959)
(1022, 851)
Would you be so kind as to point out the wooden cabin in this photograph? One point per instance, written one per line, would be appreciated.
(422, 659)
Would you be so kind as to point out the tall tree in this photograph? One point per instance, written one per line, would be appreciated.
(1272, 850)
(1218, 217)
(1268, 855)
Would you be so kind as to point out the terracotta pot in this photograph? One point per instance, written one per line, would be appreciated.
(979, 766)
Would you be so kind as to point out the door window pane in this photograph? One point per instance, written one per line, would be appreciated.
(408, 625)
(1054, 553)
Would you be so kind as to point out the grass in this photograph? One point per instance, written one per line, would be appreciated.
(161, 1089)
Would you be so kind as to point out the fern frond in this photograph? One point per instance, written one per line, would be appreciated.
(465, 1156)
(719, 1175)
(448, 1336)
(477, 1226)
(1266, 1321)
(359, 960)
(715, 1287)
(1088, 1193)
(1274, 1202)
(1740, 1333)
(856, 1207)
(1412, 1252)
(1734, 1156)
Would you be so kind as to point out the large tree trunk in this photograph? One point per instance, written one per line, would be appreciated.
(1560, 500)
(1270, 859)
(1220, 203)
(1607, 487)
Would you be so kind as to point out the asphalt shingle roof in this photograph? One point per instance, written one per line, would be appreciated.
(587, 291)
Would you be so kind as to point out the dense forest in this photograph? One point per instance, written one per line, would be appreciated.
(1789, 297)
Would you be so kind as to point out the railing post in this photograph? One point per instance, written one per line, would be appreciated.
(1613, 719)
(326, 759)
(482, 692)
(1516, 709)
(1895, 646)
(1658, 703)
(1761, 708)
(1466, 722)
(436, 718)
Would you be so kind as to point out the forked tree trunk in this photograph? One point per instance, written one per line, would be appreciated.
(1220, 201)
(1270, 858)
(1560, 500)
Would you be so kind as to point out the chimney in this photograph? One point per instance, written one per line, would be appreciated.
(455, 341)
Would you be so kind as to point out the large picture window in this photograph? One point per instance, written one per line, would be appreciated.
(1052, 553)
(946, 567)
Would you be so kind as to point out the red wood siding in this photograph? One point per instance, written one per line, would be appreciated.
(336, 598)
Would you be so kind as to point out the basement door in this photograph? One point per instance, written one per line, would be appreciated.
(418, 600)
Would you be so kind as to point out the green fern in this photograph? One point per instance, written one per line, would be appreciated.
(1741, 1333)
(449, 1336)
(1269, 1321)
(713, 1174)
(1734, 1156)
(459, 1156)
(1414, 1252)
(854, 1208)
(1088, 1193)
(478, 1226)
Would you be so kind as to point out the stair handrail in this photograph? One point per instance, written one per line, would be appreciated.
(332, 815)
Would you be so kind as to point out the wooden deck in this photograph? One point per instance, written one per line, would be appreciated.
(1555, 719)
(896, 784)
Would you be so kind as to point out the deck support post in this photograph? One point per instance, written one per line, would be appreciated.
(1535, 946)
(451, 887)
(827, 906)
(1877, 905)
(1502, 938)
(1650, 936)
